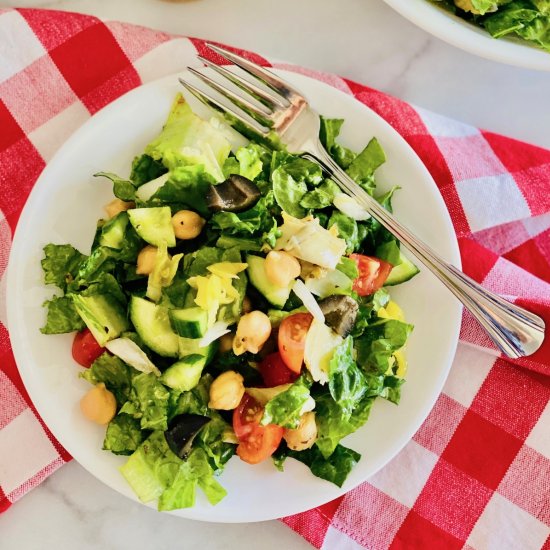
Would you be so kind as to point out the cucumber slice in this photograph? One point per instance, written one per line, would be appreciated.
(191, 322)
(403, 272)
(153, 326)
(275, 295)
(190, 346)
(105, 317)
(185, 374)
(153, 225)
(112, 233)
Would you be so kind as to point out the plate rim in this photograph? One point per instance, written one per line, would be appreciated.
(468, 37)
(29, 382)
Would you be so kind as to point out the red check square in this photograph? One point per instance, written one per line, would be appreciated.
(55, 27)
(88, 69)
(516, 155)
(511, 398)
(11, 131)
(21, 165)
(533, 184)
(417, 533)
(452, 500)
(481, 450)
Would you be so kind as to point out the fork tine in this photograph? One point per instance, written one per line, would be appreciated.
(212, 102)
(267, 77)
(267, 98)
(261, 115)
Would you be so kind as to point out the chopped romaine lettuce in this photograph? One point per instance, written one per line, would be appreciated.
(186, 140)
(334, 468)
(123, 436)
(61, 264)
(62, 316)
(286, 408)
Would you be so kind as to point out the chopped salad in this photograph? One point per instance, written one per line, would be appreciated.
(528, 20)
(234, 302)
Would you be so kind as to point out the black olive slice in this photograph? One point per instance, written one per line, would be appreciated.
(235, 194)
(340, 313)
(182, 430)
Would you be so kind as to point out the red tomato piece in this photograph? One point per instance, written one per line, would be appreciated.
(373, 273)
(260, 444)
(275, 372)
(246, 416)
(256, 443)
(85, 348)
(292, 339)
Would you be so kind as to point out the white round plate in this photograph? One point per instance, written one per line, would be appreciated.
(473, 39)
(64, 207)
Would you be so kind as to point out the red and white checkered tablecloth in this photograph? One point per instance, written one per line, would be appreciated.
(477, 473)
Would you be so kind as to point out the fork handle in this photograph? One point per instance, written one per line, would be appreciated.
(515, 331)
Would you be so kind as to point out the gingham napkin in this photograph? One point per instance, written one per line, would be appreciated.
(477, 473)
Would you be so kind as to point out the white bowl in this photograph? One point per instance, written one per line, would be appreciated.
(469, 37)
(64, 206)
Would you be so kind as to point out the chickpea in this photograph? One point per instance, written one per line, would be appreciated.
(304, 436)
(226, 391)
(99, 404)
(253, 331)
(116, 206)
(187, 224)
(146, 260)
(281, 267)
(247, 305)
(226, 342)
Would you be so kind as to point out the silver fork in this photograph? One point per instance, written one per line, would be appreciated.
(278, 108)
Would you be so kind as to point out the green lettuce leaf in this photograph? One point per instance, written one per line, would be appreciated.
(364, 165)
(333, 423)
(148, 401)
(187, 140)
(152, 468)
(192, 472)
(187, 186)
(241, 243)
(123, 189)
(378, 343)
(334, 468)
(288, 192)
(114, 373)
(254, 221)
(347, 384)
(347, 230)
(146, 168)
(321, 196)
(61, 264)
(329, 131)
(62, 316)
(285, 409)
(123, 435)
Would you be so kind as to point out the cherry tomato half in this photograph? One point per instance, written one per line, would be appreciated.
(372, 274)
(85, 348)
(260, 444)
(256, 443)
(246, 416)
(292, 339)
(275, 372)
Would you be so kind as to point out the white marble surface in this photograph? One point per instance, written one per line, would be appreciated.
(360, 39)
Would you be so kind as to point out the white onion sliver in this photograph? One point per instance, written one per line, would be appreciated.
(308, 300)
(217, 330)
(131, 353)
(350, 207)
